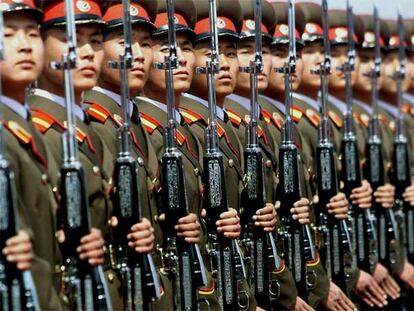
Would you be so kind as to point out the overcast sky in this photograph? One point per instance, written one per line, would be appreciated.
(386, 8)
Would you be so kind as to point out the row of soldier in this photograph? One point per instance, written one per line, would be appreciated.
(34, 97)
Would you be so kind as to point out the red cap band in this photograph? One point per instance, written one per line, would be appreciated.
(394, 41)
(340, 34)
(369, 40)
(312, 29)
(56, 10)
(115, 12)
(249, 26)
(5, 4)
(223, 23)
(162, 20)
(282, 31)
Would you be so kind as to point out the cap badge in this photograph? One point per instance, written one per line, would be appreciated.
(176, 21)
(310, 28)
(221, 23)
(284, 29)
(18, 1)
(341, 32)
(133, 11)
(83, 6)
(250, 24)
(4, 6)
(369, 37)
(393, 40)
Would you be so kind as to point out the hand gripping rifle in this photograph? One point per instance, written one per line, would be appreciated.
(260, 245)
(401, 155)
(363, 234)
(338, 245)
(297, 238)
(86, 285)
(137, 271)
(227, 263)
(17, 289)
(386, 226)
(184, 259)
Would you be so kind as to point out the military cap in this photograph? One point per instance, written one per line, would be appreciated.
(338, 27)
(229, 19)
(409, 34)
(281, 30)
(141, 11)
(85, 11)
(29, 6)
(313, 30)
(184, 17)
(390, 34)
(248, 25)
(368, 41)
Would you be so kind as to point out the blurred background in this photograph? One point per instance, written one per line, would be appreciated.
(387, 8)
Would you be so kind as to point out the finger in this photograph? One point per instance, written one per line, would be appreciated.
(93, 254)
(338, 204)
(144, 249)
(24, 257)
(338, 197)
(189, 234)
(377, 300)
(137, 235)
(227, 222)
(346, 302)
(23, 247)
(388, 289)
(343, 305)
(266, 217)
(203, 213)
(191, 240)
(142, 242)
(95, 261)
(96, 244)
(229, 229)
(24, 265)
(277, 205)
(377, 292)
(188, 227)
(360, 195)
(188, 219)
(391, 281)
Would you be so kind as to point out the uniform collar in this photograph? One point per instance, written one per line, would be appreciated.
(220, 111)
(310, 101)
(280, 106)
(409, 97)
(61, 101)
(388, 107)
(163, 107)
(364, 106)
(244, 101)
(115, 97)
(338, 103)
(19, 108)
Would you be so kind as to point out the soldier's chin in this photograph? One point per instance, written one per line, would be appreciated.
(85, 84)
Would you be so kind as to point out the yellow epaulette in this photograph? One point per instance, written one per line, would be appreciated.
(313, 117)
(101, 114)
(357, 117)
(20, 133)
(149, 123)
(191, 117)
(297, 113)
(234, 117)
(365, 119)
(180, 137)
(336, 119)
(269, 118)
(220, 131)
(406, 107)
(278, 119)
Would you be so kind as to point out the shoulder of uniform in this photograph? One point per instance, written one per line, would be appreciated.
(97, 112)
(313, 117)
(17, 131)
(191, 116)
(234, 117)
(365, 119)
(357, 117)
(336, 119)
(274, 118)
(297, 113)
(412, 111)
(149, 123)
(44, 121)
(383, 118)
(406, 107)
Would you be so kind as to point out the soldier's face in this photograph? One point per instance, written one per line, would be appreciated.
(339, 57)
(410, 70)
(183, 75)
(23, 51)
(312, 56)
(391, 65)
(366, 62)
(142, 58)
(280, 55)
(89, 56)
(225, 80)
(245, 54)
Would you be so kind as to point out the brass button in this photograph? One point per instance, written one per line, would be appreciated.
(389, 165)
(45, 179)
(140, 161)
(111, 277)
(231, 163)
(55, 189)
(268, 164)
(96, 170)
(196, 171)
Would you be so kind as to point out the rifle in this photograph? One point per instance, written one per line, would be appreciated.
(183, 259)
(297, 239)
(363, 234)
(137, 271)
(85, 285)
(261, 248)
(226, 261)
(17, 288)
(338, 245)
(401, 155)
(386, 227)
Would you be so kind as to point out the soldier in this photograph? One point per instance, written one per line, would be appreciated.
(194, 107)
(49, 113)
(33, 166)
(103, 105)
(272, 101)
